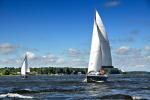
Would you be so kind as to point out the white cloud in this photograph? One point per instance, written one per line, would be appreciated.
(50, 58)
(71, 52)
(60, 61)
(76, 58)
(7, 48)
(71, 57)
(148, 58)
(147, 48)
(30, 55)
(112, 3)
(139, 65)
(10, 62)
(124, 57)
(123, 50)
(128, 51)
(128, 58)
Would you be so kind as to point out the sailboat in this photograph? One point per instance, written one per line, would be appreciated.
(100, 55)
(25, 70)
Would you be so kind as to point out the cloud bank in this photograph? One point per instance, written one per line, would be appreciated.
(7, 48)
(112, 3)
(124, 57)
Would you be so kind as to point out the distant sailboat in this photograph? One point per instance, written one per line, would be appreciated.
(100, 55)
(25, 70)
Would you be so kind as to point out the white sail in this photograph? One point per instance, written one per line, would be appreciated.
(28, 70)
(105, 46)
(25, 68)
(105, 50)
(100, 54)
(95, 61)
(101, 25)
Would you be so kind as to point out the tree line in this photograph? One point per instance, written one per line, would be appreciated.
(53, 70)
(43, 70)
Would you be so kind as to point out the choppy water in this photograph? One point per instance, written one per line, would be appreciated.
(72, 87)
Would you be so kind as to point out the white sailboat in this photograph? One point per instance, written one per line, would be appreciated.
(25, 70)
(100, 55)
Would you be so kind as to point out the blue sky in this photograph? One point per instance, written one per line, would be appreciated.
(58, 32)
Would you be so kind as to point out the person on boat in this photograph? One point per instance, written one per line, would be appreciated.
(102, 71)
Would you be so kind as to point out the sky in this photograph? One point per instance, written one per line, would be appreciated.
(58, 33)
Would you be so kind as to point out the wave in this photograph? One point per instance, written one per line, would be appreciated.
(24, 91)
(15, 95)
(85, 80)
(122, 96)
(54, 89)
(138, 98)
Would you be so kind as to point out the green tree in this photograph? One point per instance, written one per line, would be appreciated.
(6, 72)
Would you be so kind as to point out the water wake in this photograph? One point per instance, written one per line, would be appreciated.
(14, 95)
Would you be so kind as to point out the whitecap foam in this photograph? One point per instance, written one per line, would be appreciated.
(3, 95)
(27, 89)
(137, 98)
(15, 95)
(85, 80)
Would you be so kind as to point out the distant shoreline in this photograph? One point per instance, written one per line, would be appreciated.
(124, 73)
(53, 71)
(43, 70)
(11, 71)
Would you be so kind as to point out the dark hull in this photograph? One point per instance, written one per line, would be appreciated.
(96, 78)
(24, 77)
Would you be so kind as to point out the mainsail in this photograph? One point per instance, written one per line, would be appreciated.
(25, 68)
(100, 54)
(95, 55)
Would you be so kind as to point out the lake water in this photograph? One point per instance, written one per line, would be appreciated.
(70, 87)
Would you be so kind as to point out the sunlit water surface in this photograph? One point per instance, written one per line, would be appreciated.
(72, 87)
